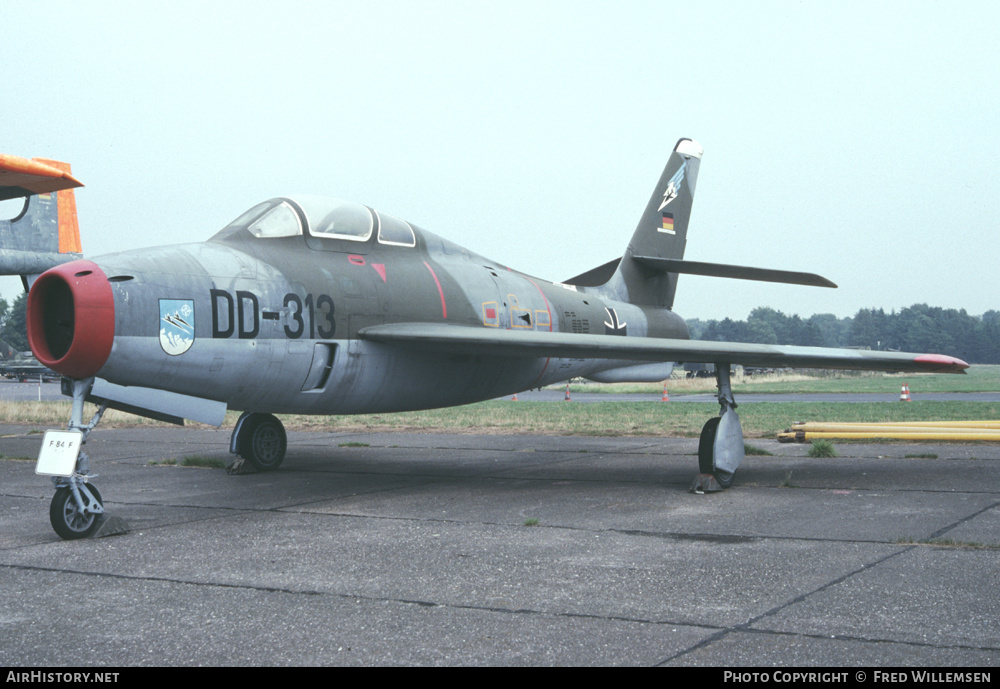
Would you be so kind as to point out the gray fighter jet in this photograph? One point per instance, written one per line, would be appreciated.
(313, 305)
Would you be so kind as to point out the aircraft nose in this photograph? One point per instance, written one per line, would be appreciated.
(71, 318)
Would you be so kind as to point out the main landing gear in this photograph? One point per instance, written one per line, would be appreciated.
(260, 440)
(720, 449)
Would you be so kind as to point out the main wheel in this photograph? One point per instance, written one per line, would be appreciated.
(262, 441)
(706, 453)
(67, 519)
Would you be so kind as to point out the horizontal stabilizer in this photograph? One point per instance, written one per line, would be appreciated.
(22, 177)
(457, 339)
(724, 270)
(596, 276)
(13, 262)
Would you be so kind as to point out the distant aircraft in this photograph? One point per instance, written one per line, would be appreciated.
(311, 305)
(24, 366)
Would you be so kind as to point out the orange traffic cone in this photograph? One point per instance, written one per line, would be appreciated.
(904, 394)
(666, 397)
(566, 398)
(514, 398)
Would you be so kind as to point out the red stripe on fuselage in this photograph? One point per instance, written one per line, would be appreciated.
(548, 309)
(444, 306)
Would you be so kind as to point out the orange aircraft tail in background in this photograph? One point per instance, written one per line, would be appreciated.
(46, 232)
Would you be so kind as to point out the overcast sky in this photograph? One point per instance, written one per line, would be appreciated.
(856, 140)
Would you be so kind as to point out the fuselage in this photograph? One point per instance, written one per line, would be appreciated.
(267, 318)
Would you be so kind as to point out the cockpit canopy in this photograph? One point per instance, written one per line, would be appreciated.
(322, 217)
(274, 218)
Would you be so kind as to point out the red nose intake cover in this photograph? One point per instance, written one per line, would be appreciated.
(71, 319)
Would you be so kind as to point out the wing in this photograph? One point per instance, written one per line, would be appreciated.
(456, 339)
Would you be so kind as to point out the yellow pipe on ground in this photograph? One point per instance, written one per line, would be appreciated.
(805, 431)
(934, 424)
(802, 436)
(888, 428)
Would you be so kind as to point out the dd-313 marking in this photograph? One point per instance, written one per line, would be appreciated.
(240, 315)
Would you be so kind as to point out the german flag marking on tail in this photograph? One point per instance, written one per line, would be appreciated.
(668, 223)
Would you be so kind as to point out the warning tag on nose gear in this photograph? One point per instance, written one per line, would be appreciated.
(59, 452)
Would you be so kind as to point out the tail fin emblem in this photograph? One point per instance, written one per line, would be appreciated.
(673, 187)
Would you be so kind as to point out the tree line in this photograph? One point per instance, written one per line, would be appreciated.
(918, 328)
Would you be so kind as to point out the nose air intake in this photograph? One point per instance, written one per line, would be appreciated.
(71, 319)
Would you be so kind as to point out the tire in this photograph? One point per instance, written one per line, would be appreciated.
(706, 453)
(65, 515)
(262, 441)
(725, 478)
(706, 446)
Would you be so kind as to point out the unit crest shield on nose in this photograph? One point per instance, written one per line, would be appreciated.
(176, 325)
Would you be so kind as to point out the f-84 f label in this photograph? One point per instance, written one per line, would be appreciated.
(241, 315)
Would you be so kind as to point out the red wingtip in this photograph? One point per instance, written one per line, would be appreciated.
(942, 363)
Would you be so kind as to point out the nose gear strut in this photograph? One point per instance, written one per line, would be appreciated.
(77, 508)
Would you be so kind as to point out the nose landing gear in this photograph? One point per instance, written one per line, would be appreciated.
(77, 508)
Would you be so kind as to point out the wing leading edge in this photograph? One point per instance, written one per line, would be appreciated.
(456, 339)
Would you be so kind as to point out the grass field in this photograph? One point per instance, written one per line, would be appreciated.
(760, 420)
(978, 379)
(615, 418)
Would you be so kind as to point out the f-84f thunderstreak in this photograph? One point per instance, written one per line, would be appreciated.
(317, 306)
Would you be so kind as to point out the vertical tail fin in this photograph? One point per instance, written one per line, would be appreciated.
(647, 273)
(46, 232)
(661, 232)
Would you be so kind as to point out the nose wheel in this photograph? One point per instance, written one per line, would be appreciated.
(68, 518)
